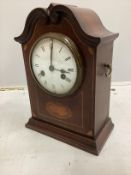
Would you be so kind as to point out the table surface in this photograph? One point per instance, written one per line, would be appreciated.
(26, 152)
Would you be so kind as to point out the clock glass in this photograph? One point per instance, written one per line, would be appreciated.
(55, 64)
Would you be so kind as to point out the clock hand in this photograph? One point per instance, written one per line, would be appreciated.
(51, 67)
(61, 70)
(51, 52)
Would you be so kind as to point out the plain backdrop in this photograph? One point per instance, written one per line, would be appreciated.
(115, 15)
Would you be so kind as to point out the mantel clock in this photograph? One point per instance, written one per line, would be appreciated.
(68, 60)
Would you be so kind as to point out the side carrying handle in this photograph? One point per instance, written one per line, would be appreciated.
(108, 70)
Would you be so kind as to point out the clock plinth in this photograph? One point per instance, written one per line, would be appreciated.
(89, 144)
(68, 59)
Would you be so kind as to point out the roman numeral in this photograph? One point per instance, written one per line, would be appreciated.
(42, 47)
(45, 83)
(67, 58)
(62, 86)
(39, 75)
(36, 65)
(71, 70)
(37, 55)
(60, 49)
(53, 86)
(68, 80)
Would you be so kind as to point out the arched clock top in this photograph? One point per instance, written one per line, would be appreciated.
(32, 19)
(87, 24)
(86, 19)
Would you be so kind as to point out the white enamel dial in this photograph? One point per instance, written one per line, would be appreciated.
(54, 65)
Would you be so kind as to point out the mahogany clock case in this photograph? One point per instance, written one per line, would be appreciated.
(82, 118)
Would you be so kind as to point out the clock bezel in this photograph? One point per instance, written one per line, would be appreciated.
(74, 50)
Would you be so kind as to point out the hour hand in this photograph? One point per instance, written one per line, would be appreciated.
(51, 52)
(62, 70)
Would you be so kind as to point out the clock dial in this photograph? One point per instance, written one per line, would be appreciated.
(54, 65)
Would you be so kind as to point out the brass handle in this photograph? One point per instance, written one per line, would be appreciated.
(108, 70)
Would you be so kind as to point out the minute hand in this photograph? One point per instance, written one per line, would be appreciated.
(51, 54)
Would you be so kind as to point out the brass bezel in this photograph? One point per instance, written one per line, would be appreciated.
(71, 45)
